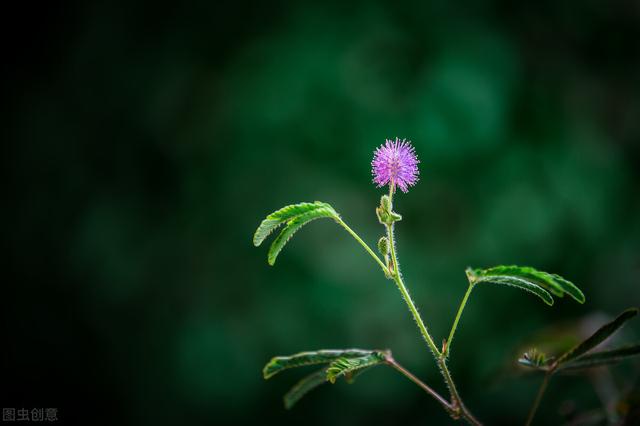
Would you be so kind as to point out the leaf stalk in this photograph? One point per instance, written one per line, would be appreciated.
(536, 403)
(393, 363)
(363, 244)
(447, 347)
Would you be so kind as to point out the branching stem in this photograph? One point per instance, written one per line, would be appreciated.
(393, 363)
(458, 409)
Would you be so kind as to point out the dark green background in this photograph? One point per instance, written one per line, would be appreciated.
(147, 141)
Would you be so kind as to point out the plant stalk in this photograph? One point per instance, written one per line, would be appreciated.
(536, 403)
(416, 315)
(393, 363)
(458, 409)
(397, 277)
(448, 342)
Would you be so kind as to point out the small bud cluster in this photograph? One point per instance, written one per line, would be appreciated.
(385, 212)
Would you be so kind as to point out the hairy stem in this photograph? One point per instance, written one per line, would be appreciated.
(536, 403)
(393, 363)
(416, 314)
(397, 277)
(458, 409)
(447, 347)
(363, 244)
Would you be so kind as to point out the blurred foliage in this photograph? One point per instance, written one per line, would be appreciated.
(148, 140)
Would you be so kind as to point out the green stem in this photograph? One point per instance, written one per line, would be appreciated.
(415, 313)
(363, 244)
(536, 403)
(397, 277)
(455, 322)
(458, 409)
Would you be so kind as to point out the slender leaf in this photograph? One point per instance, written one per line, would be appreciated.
(303, 387)
(520, 283)
(292, 227)
(325, 356)
(313, 380)
(598, 359)
(285, 214)
(550, 282)
(570, 288)
(541, 278)
(345, 366)
(279, 217)
(598, 337)
(266, 227)
(537, 282)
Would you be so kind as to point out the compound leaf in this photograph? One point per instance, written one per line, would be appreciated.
(540, 283)
(324, 356)
(598, 337)
(568, 287)
(292, 227)
(293, 217)
(598, 359)
(517, 282)
(277, 218)
(342, 362)
(303, 387)
(346, 366)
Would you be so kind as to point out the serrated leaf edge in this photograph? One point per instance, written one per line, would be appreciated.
(344, 365)
(528, 286)
(281, 216)
(328, 354)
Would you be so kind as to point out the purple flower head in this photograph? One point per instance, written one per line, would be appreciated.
(395, 163)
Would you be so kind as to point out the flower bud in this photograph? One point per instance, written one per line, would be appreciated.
(385, 203)
(383, 216)
(395, 217)
(386, 215)
(383, 246)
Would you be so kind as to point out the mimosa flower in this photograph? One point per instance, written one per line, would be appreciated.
(395, 163)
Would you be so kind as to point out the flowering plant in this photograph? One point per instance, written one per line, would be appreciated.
(395, 165)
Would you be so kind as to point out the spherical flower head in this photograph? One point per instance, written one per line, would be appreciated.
(395, 163)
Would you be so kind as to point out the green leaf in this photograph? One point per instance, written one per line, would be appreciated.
(568, 287)
(324, 356)
(598, 359)
(342, 362)
(292, 227)
(598, 337)
(351, 376)
(313, 380)
(519, 283)
(277, 218)
(293, 217)
(346, 366)
(527, 278)
(266, 227)
(303, 387)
